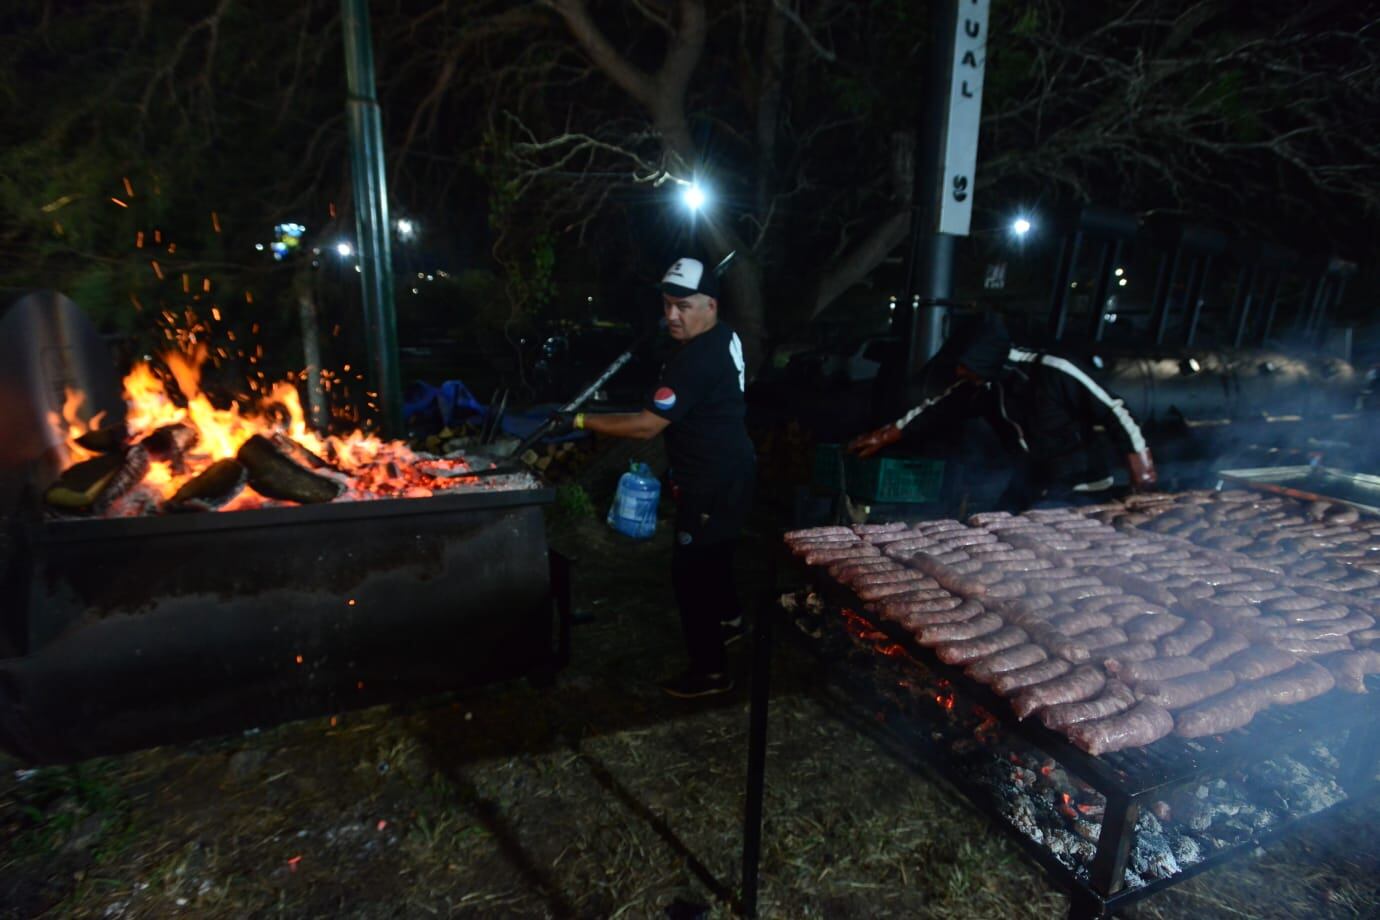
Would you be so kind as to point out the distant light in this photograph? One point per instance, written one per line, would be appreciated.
(406, 229)
(589, 300)
(430, 278)
(1097, 359)
(693, 196)
(1120, 271)
(1122, 282)
(259, 246)
(1020, 226)
(345, 249)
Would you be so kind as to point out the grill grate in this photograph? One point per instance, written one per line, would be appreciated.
(1157, 768)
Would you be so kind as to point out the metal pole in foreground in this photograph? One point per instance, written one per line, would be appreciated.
(371, 216)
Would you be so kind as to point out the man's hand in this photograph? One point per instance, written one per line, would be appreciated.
(868, 444)
(1142, 467)
(562, 423)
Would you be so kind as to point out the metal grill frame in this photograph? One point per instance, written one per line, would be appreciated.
(1128, 779)
(147, 630)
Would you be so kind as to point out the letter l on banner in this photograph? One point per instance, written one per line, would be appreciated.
(963, 117)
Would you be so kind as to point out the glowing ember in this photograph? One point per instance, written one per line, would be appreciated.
(368, 466)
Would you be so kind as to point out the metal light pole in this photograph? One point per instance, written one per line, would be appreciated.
(371, 215)
(945, 162)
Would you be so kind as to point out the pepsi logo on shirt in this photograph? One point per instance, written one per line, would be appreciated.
(664, 398)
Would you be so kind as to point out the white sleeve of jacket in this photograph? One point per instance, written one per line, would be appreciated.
(920, 410)
(1115, 406)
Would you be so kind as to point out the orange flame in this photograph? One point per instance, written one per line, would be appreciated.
(373, 466)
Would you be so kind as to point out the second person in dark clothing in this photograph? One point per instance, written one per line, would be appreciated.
(1046, 409)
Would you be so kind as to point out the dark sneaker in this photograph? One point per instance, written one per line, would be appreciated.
(732, 630)
(690, 686)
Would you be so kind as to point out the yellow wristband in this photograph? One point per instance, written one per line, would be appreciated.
(580, 420)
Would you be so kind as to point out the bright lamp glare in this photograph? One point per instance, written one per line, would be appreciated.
(1020, 226)
(345, 249)
(406, 229)
(693, 196)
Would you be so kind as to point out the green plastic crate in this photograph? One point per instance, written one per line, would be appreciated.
(914, 480)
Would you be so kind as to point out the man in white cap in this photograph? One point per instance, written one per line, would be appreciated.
(698, 402)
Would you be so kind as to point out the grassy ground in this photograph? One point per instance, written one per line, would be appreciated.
(598, 797)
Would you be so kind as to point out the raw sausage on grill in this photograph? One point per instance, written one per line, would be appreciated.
(915, 622)
(1185, 639)
(1081, 683)
(1178, 692)
(1020, 656)
(1011, 681)
(1221, 648)
(964, 651)
(1223, 712)
(1351, 668)
(1137, 672)
(980, 625)
(1140, 725)
(1116, 697)
(1258, 661)
(1301, 682)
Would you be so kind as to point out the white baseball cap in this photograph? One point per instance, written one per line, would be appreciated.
(689, 276)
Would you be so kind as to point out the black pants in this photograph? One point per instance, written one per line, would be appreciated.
(708, 523)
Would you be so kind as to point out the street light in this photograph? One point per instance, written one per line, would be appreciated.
(693, 196)
(406, 229)
(1020, 226)
(345, 249)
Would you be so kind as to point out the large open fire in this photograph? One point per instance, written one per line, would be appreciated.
(364, 465)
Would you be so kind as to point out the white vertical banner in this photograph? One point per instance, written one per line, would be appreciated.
(964, 116)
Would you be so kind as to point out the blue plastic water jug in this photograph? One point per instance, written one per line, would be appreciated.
(633, 511)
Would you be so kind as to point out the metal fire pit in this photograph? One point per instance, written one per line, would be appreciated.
(1130, 780)
(146, 630)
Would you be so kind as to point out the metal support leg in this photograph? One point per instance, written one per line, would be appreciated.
(757, 751)
(1108, 871)
(1360, 758)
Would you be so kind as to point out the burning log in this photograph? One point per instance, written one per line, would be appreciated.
(170, 444)
(299, 454)
(105, 440)
(213, 488)
(275, 475)
(94, 484)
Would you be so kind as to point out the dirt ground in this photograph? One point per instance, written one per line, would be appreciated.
(597, 797)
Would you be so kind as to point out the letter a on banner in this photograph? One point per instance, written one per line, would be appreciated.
(963, 117)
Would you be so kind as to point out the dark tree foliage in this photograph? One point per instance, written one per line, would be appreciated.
(543, 141)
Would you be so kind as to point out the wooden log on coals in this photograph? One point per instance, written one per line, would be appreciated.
(274, 475)
(92, 485)
(105, 440)
(300, 454)
(170, 444)
(214, 487)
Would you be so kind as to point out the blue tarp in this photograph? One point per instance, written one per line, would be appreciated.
(452, 404)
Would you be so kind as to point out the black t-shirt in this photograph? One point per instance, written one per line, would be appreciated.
(700, 392)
